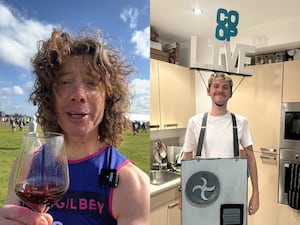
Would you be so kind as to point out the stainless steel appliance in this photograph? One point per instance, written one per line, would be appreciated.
(287, 156)
(289, 146)
(290, 125)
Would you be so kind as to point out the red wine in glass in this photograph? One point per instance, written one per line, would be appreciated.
(40, 197)
(42, 171)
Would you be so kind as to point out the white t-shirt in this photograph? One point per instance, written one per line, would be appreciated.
(218, 139)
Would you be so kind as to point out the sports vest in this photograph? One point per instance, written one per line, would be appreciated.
(86, 202)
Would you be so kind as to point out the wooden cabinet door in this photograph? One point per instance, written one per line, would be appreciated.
(268, 183)
(287, 216)
(174, 213)
(172, 94)
(154, 94)
(177, 94)
(164, 208)
(259, 99)
(159, 215)
(166, 214)
(291, 80)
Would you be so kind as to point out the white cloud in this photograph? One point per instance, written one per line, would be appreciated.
(141, 105)
(29, 84)
(139, 117)
(130, 15)
(7, 16)
(26, 109)
(12, 104)
(139, 86)
(5, 103)
(18, 37)
(15, 90)
(141, 90)
(141, 39)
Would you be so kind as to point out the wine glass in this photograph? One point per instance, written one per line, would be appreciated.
(42, 175)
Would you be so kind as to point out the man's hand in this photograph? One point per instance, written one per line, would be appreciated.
(253, 204)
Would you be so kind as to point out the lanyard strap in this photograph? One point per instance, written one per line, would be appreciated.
(235, 136)
(202, 133)
(201, 136)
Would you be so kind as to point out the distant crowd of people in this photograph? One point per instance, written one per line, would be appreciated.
(19, 123)
(139, 125)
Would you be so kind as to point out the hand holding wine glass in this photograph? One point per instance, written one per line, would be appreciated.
(42, 171)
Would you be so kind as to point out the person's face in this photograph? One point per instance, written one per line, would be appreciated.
(80, 100)
(220, 92)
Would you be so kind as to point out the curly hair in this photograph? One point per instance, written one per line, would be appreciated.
(107, 66)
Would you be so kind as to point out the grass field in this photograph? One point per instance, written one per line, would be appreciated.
(134, 147)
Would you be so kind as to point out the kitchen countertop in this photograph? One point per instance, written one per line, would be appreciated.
(157, 189)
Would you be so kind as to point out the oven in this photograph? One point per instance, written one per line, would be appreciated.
(290, 125)
(289, 152)
(287, 157)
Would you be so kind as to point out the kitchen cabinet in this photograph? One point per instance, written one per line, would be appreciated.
(173, 213)
(290, 93)
(291, 80)
(164, 208)
(155, 118)
(172, 89)
(259, 99)
(287, 215)
(268, 183)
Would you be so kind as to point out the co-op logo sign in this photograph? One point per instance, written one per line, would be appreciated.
(227, 22)
(202, 188)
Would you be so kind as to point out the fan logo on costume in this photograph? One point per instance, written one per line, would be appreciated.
(202, 188)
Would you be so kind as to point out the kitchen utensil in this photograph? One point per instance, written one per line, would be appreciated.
(159, 151)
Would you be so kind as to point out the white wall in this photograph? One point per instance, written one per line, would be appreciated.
(203, 102)
(267, 38)
(286, 33)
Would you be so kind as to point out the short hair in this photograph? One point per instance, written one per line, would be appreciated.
(220, 76)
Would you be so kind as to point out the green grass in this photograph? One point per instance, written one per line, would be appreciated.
(134, 147)
(137, 148)
(10, 144)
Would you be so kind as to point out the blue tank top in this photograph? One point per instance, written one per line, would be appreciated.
(86, 203)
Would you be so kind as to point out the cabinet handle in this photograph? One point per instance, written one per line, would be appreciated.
(171, 125)
(172, 205)
(269, 151)
(270, 158)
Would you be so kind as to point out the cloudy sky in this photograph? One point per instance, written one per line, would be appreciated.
(24, 22)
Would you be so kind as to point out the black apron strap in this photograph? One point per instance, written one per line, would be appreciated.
(235, 136)
(202, 133)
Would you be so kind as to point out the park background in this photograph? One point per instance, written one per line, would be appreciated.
(24, 22)
(135, 147)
